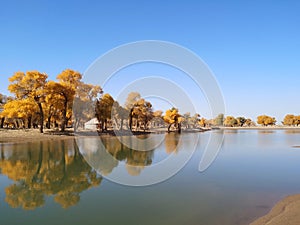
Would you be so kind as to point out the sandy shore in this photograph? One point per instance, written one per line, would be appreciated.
(17, 136)
(25, 135)
(285, 212)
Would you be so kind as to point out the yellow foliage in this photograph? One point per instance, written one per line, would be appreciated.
(266, 120)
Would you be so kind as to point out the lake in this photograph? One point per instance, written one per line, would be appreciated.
(74, 182)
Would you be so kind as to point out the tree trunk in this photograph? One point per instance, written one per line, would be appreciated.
(130, 119)
(169, 127)
(29, 122)
(41, 117)
(179, 127)
(64, 115)
(48, 124)
(2, 122)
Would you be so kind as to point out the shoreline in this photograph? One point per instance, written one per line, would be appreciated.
(29, 135)
(286, 211)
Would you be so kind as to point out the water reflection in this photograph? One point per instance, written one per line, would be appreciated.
(105, 153)
(44, 169)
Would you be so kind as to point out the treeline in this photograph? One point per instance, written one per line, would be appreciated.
(69, 102)
(38, 102)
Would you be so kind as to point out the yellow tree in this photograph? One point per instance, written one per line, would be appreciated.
(69, 81)
(202, 122)
(142, 112)
(249, 123)
(30, 85)
(289, 120)
(230, 121)
(23, 109)
(103, 110)
(173, 117)
(61, 96)
(241, 121)
(297, 120)
(266, 120)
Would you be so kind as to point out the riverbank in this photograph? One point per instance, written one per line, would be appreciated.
(284, 212)
(28, 135)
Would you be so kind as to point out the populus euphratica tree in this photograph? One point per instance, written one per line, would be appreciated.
(30, 85)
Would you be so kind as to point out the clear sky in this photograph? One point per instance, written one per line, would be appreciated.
(253, 47)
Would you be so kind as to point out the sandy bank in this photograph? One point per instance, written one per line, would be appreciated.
(17, 136)
(285, 212)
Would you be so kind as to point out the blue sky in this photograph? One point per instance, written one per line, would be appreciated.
(253, 47)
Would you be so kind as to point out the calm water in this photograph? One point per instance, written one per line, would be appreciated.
(53, 182)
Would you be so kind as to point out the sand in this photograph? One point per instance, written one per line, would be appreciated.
(29, 135)
(285, 212)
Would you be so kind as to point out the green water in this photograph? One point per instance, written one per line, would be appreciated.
(52, 182)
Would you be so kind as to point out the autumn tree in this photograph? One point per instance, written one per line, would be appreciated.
(63, 92)
(103, 110)
(289, 120)
(249, 123)
(241, 121)
(266, 120)
(219, 120)
(23, 109)
(142, 112)
(202, 122)
(131, 100)
(230, 121)
(172, 117)
(30, 85)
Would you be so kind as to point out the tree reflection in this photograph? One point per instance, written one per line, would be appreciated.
(172, 142)
(105, 153)
(44, 169)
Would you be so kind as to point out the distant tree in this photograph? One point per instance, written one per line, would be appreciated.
(130, 104)
(131, 100)
(157, 118)
(186, 117)
(195, 120)
(230, 121)
(266, 120)
(249, 123)
(297, 120)
(30, 85)
(219, 120)
(202, 122)
(142, 112)
(241, 121)
(289, 120)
